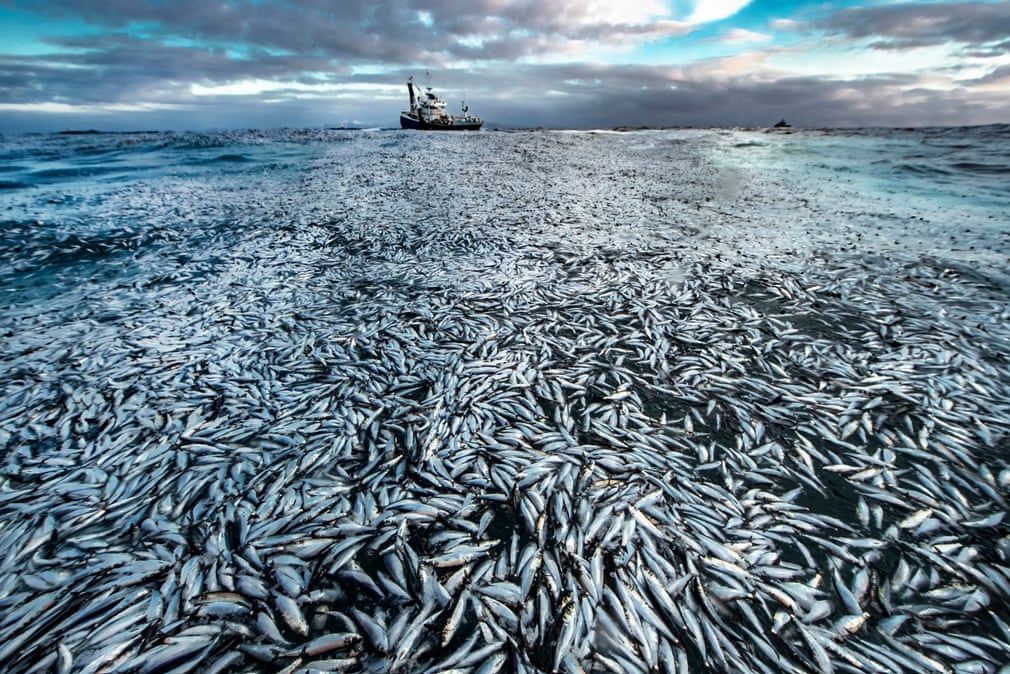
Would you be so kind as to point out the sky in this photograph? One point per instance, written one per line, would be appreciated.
(120, 65)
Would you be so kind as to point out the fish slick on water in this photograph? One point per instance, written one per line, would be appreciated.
(326, 463)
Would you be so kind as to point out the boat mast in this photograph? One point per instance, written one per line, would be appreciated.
(410, 88)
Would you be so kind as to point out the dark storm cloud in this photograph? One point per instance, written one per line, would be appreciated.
(922, 24)
(346, 30)
(552, 95)
(585, 96)
(123, 69)
(391, 32)
(989, 51)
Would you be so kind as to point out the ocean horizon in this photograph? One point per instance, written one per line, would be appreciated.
(498, 126)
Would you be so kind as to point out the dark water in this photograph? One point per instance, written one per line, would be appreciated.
(534, 401)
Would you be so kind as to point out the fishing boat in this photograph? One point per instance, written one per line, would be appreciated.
(427, 112)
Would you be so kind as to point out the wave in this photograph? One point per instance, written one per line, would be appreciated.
(979, 167)
(43, 176)
(224, 159)
(921, 169)
(232, 158)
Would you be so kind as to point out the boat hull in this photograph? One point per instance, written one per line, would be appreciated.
(411, 122)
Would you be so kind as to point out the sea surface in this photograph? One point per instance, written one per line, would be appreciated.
(681, 400)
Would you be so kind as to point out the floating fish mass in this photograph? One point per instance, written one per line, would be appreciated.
(559, 413)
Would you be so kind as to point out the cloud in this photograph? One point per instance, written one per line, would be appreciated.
(737, 91)
(120, 69)
(193, 64)
(623, 12)
(990, 50)
(706, 11)
(391, 32)
(917, 24)
(1000, 77)
(742, 36)
(785, 24)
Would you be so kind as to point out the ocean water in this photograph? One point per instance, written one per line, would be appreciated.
(691, 400)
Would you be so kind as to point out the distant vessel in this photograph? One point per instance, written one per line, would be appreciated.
(427, 112)
(783, 124)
